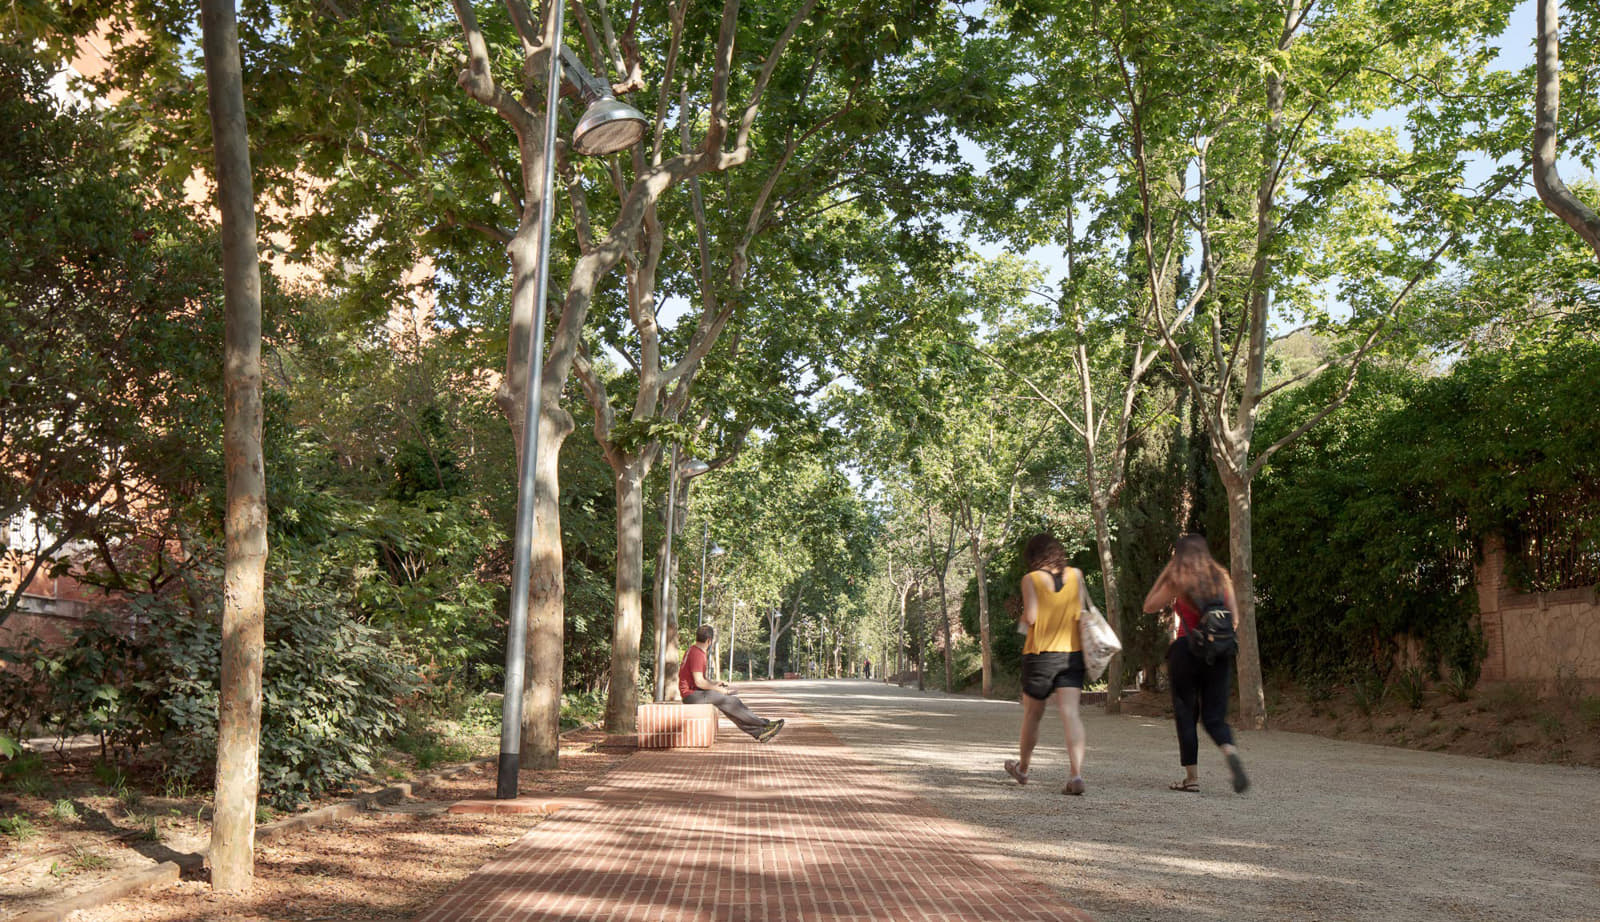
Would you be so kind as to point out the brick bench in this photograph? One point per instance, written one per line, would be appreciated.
(674, 725)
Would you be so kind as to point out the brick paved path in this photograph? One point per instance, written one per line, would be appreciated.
(797, 829)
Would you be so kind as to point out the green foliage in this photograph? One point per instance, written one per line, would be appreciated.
(582, 709)
(9, 748)
(110, 777)
(64, 811)
(1412, 686)
(1458, 683)
(331, 685)
(1368, 690)
(1355, 545)
(1589, 711)
(430, 748)
(18, 827)
(22, 692)
(90, 685)
(24, 771)
(109, 333)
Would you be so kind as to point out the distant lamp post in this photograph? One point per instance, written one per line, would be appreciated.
(716, 551)
(607, 127)
(679, 470)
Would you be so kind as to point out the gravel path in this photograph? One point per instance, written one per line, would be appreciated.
(1328, 831)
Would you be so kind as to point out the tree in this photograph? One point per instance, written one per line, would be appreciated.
(243, 614)
(1289, 192)
(829, 107)
(99, 264)
(1547, 119)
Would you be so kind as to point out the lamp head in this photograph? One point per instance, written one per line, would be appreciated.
(693, 467)
(608, 126)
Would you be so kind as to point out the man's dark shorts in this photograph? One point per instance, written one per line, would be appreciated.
(1043, 673)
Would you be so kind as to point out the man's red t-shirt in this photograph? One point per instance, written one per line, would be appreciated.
(694, 661)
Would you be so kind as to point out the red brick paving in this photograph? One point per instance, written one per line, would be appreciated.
(796, 829)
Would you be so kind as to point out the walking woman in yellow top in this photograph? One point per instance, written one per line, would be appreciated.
(1052, 658)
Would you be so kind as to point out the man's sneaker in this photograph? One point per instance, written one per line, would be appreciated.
(771, 731)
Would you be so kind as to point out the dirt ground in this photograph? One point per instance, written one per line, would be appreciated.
(377, 867)
(1512, 722)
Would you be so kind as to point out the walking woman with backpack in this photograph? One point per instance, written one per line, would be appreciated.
(1200, 660)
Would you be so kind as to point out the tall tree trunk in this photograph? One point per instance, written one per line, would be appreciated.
(1546, 129)
(543, 648)
(245, 525)
(667, 590)
(622, 701)
(1108, 572)
(949, 644)
(1252, 697)
(981, 568)
(900, 636)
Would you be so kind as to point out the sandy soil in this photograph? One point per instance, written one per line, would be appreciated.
(1329, 830)
(378, 867)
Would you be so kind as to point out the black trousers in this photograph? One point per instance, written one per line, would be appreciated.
(1199, 692)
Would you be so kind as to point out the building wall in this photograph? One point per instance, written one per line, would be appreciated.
(1535, 636)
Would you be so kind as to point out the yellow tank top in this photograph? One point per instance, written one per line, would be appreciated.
(1056, 628)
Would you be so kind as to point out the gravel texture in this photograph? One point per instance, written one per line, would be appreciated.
(1329, 830)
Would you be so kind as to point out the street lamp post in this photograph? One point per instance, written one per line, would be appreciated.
(606, 127)
(733, 631)
(677, 470)
(716, 551)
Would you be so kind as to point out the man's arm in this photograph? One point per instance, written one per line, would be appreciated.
(704, 684)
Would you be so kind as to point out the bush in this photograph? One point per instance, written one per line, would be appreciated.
(1412, 686)
(331, 686)
(1457, 683)
(1368, 691)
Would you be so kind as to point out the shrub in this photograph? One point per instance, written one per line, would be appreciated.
(18, 827)
(1569, 688)
(1589, 711)
(582, 708)
(429, 748)
(90, 685)
(1412, 687)
(331, 685)
(1368, 692)
(1456, 683)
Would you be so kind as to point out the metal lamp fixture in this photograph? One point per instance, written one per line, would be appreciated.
(608, 124)
(607, 127)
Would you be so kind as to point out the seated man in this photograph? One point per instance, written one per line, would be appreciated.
(697, 689)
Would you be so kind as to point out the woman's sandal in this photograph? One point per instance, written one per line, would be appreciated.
(1014, 769)
(1189, 785)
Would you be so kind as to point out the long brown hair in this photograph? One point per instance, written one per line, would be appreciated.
(1044, 552)
(1194, 573)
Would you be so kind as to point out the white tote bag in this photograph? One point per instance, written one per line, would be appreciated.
(1095, 637)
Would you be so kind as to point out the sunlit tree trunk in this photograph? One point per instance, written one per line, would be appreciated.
(245, 527)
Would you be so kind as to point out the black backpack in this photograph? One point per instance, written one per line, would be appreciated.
(1213, 636)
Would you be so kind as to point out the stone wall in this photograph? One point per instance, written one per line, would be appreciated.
(1535, 636)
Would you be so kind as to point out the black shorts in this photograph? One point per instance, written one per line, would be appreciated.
(1043, 673)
